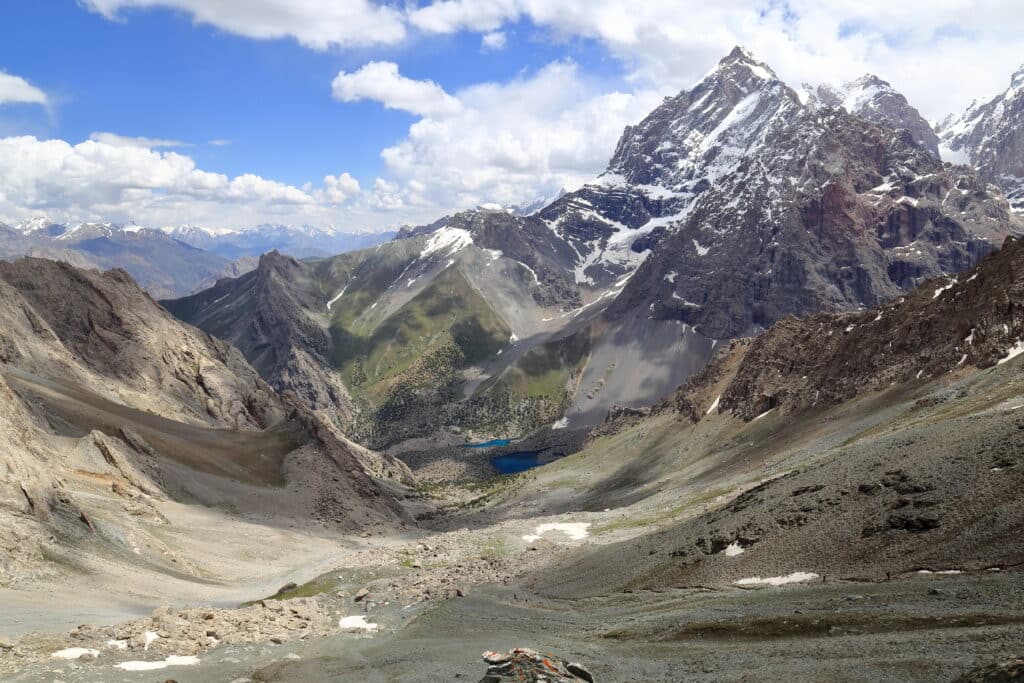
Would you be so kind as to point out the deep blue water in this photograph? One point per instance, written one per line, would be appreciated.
(521, 461)
(488, 444)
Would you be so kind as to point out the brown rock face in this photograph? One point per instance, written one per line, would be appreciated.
(972, 319)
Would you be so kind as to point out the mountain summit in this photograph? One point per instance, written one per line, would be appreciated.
(990, 136)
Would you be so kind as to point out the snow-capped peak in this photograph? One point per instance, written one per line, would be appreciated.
(862, 92)
(34, 225)
(741, 59)
(1017, 80)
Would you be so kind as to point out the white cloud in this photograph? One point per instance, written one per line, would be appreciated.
(940, 53)
(96, 180)
(495, 40)
(220, 142)
(338, 189)
(115, 140)
(509, 141)
(380, 81)
(16, 90)
(313, 23)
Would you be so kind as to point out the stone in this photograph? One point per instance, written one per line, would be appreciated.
(524, 664)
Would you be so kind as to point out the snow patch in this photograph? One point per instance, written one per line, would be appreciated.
(75, 653)
(357, 622)
(147, 638)
(576, 531)
(560, 424)
(448, 240)
(1013, 352)
(733, 549)
(959, 156)
(940, 290)
(336, 297)
(701, 251)
(714, 406)
(173, 660)
(795, 577)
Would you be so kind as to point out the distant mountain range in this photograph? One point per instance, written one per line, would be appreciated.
(175, 261)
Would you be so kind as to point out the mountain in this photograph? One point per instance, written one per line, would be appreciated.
(162, 265)
(801, 210)
(860, 437)
(990, 137)
(111, 407)
(298, 241)
(174, 262)
(388, 342)
(871, 98)
(732, 205)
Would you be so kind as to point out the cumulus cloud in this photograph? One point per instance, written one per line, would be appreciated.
(99, 180)
(495, 40)
(380, 81)
(16, 90)
(339, 188)
(507, 142)
(313, 23)
(115, 140)
(940, 54)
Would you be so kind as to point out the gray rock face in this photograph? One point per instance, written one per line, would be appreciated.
(990, 137)
(790, 208)
(104, 322)
(267, 315)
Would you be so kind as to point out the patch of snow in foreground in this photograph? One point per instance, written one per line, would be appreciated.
(733, 549)
(577, 531)
(173, 660)
(795, 577)
(75, 653)
(1013, 352)
(356, 622)
(561, 424)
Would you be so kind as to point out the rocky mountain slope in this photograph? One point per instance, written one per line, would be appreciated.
(874, 445)
(111, 405)
(730, 206)
(408, 337)
(947, 325)
(990, 137)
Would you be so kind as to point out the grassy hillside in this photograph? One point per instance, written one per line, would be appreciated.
(415, 356)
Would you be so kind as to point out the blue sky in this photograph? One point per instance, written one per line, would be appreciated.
(156, 74)
(437, 106)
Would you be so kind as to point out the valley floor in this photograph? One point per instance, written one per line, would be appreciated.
(582, 558)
